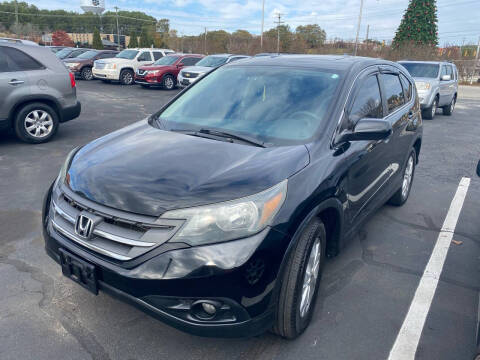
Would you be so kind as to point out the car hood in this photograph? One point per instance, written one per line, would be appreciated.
(74, 60)
(148, 171)
(156, 67)
(115, 61)
(197, 69)
(427, 80)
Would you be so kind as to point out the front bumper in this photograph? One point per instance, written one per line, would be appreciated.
(184, 82)
(192, 275)
(106, 74)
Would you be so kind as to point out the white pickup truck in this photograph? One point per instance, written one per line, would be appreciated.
(123, 67)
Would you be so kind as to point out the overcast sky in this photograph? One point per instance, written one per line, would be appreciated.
(459, 20)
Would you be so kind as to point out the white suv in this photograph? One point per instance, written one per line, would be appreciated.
(123, 67)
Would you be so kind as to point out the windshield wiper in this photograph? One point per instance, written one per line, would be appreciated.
(223, 134)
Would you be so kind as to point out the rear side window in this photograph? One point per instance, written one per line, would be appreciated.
(157, 55)
(4, 61)
(393, 92)
(17, 60)
(145, 56)
(368, 102)
(450, 71)
(190, 61)
(407, 87)
(444, 70)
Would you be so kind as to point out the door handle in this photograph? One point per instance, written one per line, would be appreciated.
(16, 82)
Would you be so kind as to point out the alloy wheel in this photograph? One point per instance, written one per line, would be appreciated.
(434, 108)
(127, 78)
(452, 106)
(407, 177)
(38, 123)
(87, 74)
(310, 277)
(169, 83)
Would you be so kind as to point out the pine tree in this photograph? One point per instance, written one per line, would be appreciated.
(133, 40)
(419, 24)
(97, 41)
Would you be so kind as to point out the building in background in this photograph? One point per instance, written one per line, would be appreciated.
(86, 39)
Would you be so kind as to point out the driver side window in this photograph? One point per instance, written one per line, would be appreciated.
(368, 102)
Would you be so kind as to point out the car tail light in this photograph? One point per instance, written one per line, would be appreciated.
(72, 80)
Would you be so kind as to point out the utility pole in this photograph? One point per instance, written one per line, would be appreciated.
(205, 43)
(476, 62)
(278, 22)
(118, 29)
(263, 22)
(358, 27)
(368, 32)
(16, 17)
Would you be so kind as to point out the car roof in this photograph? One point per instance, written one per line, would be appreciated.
(332, 62)
(424, 62)
(43, 54)
(18, 41)
(149, 49)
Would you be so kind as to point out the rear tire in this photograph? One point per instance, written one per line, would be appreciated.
(36, 123)
(448, 110)
(402, 194)
(304, 268)
(87, 74)
(126, 77)
(429, 113)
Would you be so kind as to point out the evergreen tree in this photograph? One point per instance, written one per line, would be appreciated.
(97, 41)
(146, 40)
(419, 24)
(133, 40)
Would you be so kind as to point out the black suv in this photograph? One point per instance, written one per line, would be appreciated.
(216, 214)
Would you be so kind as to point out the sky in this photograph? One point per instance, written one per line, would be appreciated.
(459, 20)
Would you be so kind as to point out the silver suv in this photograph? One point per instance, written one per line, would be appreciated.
(37, 92)
(437, 85)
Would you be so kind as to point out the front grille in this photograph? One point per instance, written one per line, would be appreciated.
(189, 75)
(122, 237)
(100, 66)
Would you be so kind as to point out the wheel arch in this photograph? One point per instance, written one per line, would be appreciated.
(418, 146)
(48, 100)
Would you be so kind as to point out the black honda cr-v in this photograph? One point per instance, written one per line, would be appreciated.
(216, 213)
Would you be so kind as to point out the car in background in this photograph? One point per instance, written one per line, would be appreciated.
(437, 85)
(67, 53)
(217, 213)
(164, 72)
(37, 92)
(82, 65)
(18, 41)
(123, 67)
(56, 49)
(191, 74)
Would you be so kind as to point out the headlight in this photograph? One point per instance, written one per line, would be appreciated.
(153, 72)
(111, 66)
(422, 86)
(229, 220)
(66, 165)
(72, 65)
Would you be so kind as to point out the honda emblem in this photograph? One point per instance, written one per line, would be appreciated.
(84, 226)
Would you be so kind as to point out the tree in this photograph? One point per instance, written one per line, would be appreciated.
(419, 24)
(61, 38)
(146, 37)
(286, 37)
(133, 40)
(97, 40)
(161, 36)
(313, 35)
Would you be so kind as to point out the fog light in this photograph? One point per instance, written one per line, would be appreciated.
(209, 308)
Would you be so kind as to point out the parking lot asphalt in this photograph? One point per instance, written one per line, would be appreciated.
(365, 292)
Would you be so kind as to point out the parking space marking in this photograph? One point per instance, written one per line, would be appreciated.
(406, 344)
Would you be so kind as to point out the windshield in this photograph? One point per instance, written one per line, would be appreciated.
(63, 53)
(167, 60)
(127, 54)
(275, 105)
(88, 54)
(212, 61)
(422, 70)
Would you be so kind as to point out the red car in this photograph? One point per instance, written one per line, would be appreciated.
(165, 70)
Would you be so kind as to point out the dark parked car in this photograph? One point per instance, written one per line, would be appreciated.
(164, 71)
(216, 214)
(82, 65)
(37, 92)
(70, 53)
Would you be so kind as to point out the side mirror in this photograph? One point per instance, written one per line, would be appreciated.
(180, 65)
(446, 77)
(478, 168)
(368, 129)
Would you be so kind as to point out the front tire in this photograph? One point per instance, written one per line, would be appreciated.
(36, 123)
(168, 82)
(300, 282)
(126, 77)
(401, 196)
(87, 74)
(429, 113)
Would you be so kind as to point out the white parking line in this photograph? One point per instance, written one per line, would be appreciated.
(407, 340)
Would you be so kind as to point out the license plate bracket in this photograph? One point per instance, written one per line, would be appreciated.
(78, 270)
